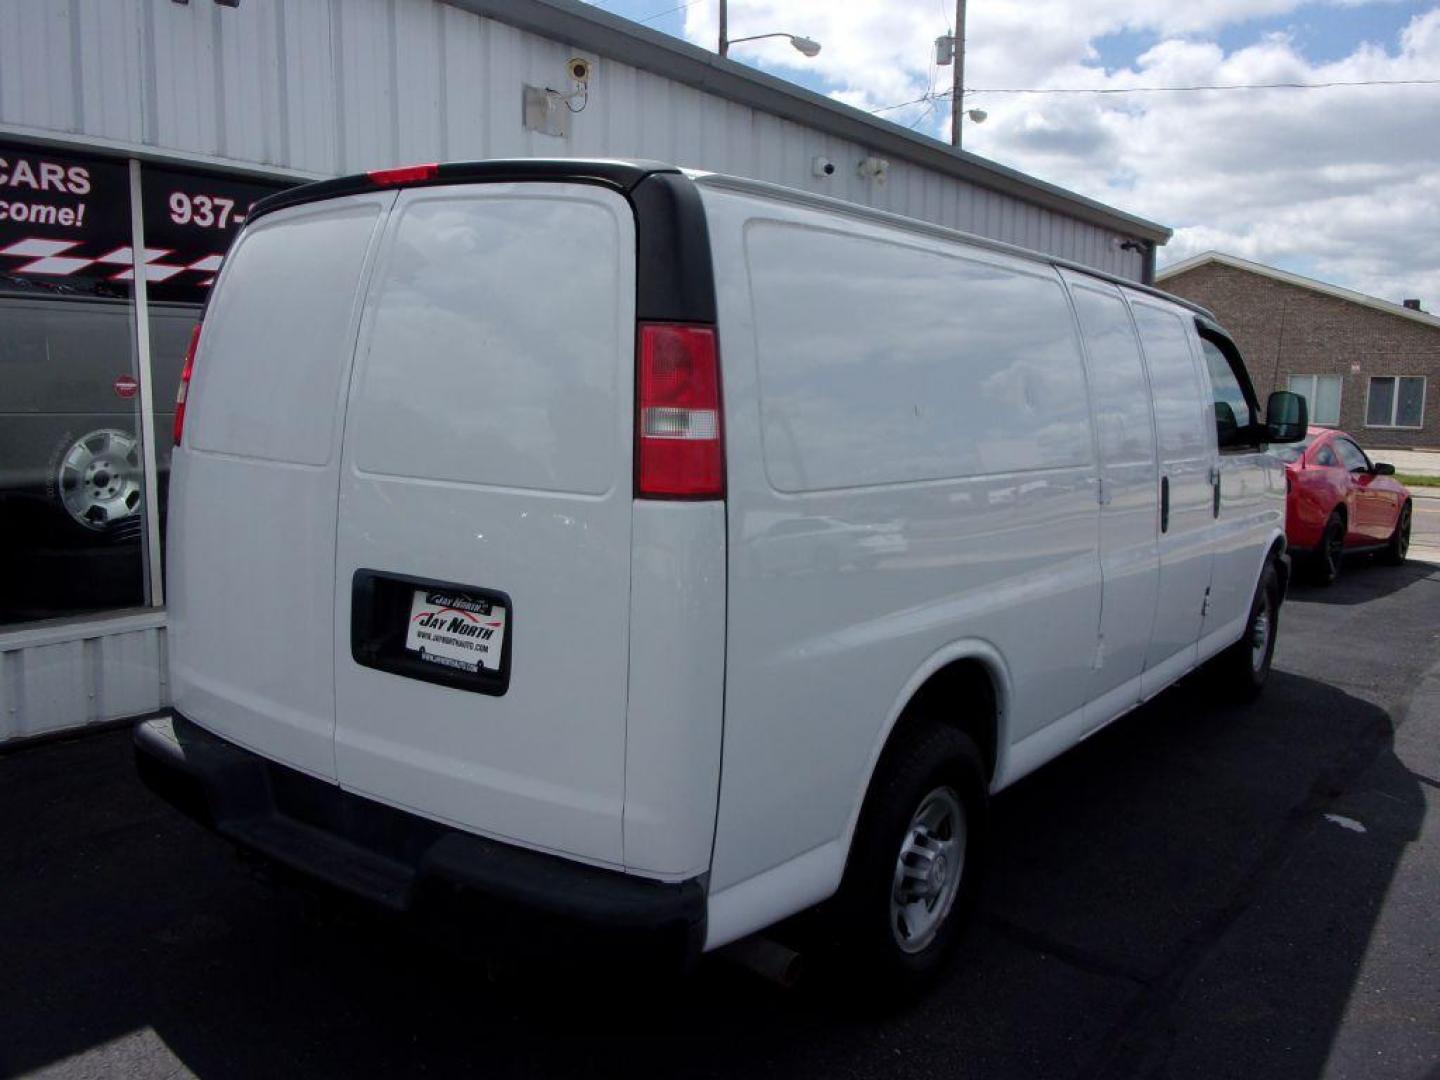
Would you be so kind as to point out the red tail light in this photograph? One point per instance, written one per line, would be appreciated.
(184, 392)
(405, 174)
(679, 453)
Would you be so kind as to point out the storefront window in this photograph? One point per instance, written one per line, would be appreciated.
(73, 503)
(71, 477)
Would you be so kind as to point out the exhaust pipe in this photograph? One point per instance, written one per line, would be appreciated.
(769, 959)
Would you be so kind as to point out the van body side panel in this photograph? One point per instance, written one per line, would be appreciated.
(1130, 497)
(677, 686)
(251, 571)
(488, 447)
(1184, 427)
(910, 464)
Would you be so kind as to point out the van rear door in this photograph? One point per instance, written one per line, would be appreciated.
(253, 488)
(485, 516)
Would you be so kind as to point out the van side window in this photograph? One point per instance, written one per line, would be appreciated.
(1234, 412)
(883, 362)
(1179, 409)
(1117, 377)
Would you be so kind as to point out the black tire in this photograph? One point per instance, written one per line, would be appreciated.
(1240, 669)
(926, 759)
(1330, 556)
(1399, 546)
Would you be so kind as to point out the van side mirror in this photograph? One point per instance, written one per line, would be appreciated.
(1287, 419)
(1381, 468)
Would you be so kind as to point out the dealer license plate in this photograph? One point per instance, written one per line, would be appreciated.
(456, 631)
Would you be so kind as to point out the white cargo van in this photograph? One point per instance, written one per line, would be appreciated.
(672, 552)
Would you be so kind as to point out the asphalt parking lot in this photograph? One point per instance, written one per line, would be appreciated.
(1199, 891)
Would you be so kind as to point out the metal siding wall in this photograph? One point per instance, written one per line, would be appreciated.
(307, 93)
(106, 62)
(100, 674)
(332, 86)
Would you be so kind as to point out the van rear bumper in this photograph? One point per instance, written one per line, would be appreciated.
(396, 860)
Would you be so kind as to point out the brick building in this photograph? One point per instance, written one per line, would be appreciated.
(1365, 365)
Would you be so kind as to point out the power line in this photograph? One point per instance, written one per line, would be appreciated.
(912, 101)
(1165, 89)
(668, 11)
(1210, 86)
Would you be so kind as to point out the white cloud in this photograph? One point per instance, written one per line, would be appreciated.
(1343, 183)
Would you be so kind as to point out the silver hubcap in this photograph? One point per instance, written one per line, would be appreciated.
(99, 478)
(928, 870)
(1260, 635)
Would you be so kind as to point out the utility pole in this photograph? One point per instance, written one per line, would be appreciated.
(724, 37)
(957, 94)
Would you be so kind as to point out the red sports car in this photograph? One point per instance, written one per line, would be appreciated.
(1339, 502)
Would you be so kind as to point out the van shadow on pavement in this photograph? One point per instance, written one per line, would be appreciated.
(1168, 897)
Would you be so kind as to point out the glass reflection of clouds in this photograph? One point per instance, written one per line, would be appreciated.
(846, 404)
(459, 288)
(1180, 427)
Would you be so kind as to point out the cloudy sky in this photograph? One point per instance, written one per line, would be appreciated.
(1341, 184)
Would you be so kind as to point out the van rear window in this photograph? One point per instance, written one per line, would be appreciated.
(501, 335)
(277, 337)
(884, 363)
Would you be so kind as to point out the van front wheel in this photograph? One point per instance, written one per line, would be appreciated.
(915, 864)
(1244, 666)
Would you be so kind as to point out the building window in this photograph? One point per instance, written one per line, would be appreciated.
(72, 486)
(74, 504)
(1396, 402)
(1322, 397)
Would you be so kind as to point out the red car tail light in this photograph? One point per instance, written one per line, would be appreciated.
(678, 448)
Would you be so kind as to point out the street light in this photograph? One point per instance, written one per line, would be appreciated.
(803, 45)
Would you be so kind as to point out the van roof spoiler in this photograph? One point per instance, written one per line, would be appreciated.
(674, 277)
(620, 175)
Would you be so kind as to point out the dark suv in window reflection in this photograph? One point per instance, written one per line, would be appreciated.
(71, 482)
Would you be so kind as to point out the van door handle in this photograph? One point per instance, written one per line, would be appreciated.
(1164, 504)
(1215, 491)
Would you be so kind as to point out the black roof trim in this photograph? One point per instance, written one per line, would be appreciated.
(587, 28)
(622, 176)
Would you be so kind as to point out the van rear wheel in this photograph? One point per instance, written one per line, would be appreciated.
(914, 866)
